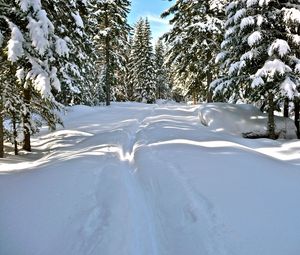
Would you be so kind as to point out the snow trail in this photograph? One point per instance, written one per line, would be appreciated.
(135, 179)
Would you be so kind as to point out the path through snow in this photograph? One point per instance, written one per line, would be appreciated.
(136, 179)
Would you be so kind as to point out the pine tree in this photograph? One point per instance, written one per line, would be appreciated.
(28, 56)
(131, 60)
(141, 64)
(161, 72)
(4, 11)
(193, 42)
(261, 53)
(11, 101)
(111, 38)
(68, 48)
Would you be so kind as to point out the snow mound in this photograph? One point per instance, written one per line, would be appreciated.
(238, 119)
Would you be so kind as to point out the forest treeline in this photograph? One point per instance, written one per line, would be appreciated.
(59, 53)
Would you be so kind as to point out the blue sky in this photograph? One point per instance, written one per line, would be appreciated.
(151, 9)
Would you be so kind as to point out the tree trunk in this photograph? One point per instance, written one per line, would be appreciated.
(209, 78)
(1, 131)
(194, 98)
(209, 92)
(15, 135)
(286, 107)
(26, 118)
(297, 115)
(159, 92)
(271, 119)
(107, 60)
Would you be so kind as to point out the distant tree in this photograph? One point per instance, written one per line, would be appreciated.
(194, 40)
(161, 72)
(111, 38)
(141, 64)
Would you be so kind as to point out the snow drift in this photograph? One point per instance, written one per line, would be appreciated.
(237, 119)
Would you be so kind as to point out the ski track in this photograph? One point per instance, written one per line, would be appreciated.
(155, 211)
(144, 238)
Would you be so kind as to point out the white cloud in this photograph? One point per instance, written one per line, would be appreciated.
(157, 19)
(158, 25)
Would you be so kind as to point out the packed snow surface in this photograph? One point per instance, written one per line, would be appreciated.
(136, 179)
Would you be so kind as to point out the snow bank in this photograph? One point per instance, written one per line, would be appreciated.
(237, 119)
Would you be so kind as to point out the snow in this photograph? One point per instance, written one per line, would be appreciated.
(297, 68)
(257, 81)
(280, 46)
(239, 14)
(61, 47)
(40, 78)
(26, 4)
(15, 44)
(40, 29)
(247, 21)
(254, 38)
(291, 15)
(296, 39)
(250, 3)
(234, 67)
(137, 179)
(229, 32)
(264, 2)
(20, 74)
(230, 6)
(78, 19)
(273, 67)
(260, 20)
(54, 80)
(220, 57)
(289, 87)
(237, 119)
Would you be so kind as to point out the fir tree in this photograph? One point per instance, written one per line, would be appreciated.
(129, 76)
(11, 101)
(70, 47)
(193, 42)
(111, 39)
(161, 72)
(141, 63)
(261, 52)
(29, 52)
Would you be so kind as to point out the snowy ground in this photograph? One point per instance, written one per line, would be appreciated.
(136, 179)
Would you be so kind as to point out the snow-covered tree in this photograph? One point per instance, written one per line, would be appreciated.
(70, 48)
(141, 63)
(11, 101)
(28, 52)
(260, 52)
(197, 28)
(129, 75)
(161, 72)
(119, 90)
(111, 38)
